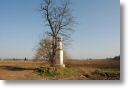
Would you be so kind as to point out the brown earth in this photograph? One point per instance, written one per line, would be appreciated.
(75, 70)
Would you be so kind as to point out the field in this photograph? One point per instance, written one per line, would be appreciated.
(106, 69)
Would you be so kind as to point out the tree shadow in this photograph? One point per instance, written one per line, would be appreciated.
(14, 68)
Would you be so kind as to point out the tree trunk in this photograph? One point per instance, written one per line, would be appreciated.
(53, 53)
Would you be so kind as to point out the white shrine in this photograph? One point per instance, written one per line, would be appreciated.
(59, 59)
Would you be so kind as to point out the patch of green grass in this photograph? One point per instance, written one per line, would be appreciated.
(59, 73)
(71, 71)
(109, 73)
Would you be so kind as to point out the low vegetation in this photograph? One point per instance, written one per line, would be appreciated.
(106, 69)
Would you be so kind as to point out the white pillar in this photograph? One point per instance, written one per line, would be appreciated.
(60, 51)
(61, 54)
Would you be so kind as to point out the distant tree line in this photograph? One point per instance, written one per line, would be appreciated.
(115, 58)
(13, 59)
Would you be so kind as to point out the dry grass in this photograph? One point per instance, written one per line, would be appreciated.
(22, 63)
(21, 70)
(18, 75)
(75, 70)
(94, 63)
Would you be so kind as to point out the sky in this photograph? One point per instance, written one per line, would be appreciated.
(97, 34)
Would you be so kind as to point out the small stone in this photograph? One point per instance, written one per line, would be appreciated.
(82, 76)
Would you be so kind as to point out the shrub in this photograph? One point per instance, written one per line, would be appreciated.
(46, 71)
(40, 71)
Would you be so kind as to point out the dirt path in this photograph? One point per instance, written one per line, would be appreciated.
(18, 73)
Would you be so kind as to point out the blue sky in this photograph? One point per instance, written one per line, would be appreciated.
(97, 34)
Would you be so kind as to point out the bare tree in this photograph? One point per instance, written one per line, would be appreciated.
(44, 50)
(59, 20)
